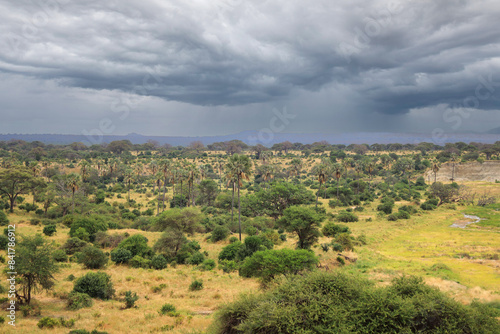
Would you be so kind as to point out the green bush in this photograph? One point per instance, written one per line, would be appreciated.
(48, 322)
(4, 241)
(136, 244)
(402, 215)
(120, 255)
(219, 233)
(428, 206)
(74, 245)
(196, 285)
(59, 255)
(345, 240)
(271, 263)
(49, 230)
(3, 218)
(386, 208)
(130, 299)
(94, 258)
(207, 265)
(230, 251)
(346, 217)
(168, 309)
(139, 262)
(196, 258)
(228, 266)
(159, 262)
(77, 300)
(331, 229)
(392, 217)
(96, 285)
(340, 302)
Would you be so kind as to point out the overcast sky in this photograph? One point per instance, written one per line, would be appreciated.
(200, 67)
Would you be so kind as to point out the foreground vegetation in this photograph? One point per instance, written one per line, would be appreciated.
(134, 238)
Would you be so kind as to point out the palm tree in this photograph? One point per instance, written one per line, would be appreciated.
(296, 166)
(370, 166)
(435, 170)
(358, 166)
(165, 171)
(321, 172)
(84, 169)
(128, 177)
(267, 172)
(406, 165)
(153, 167)
(239, 168)
(338, 174)
(453, 159)
(73, 183)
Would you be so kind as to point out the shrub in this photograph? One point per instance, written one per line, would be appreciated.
(105, 240)
(74, 245)
(91, 225)
(82, 234)
(402, 215)
(94, 258)
(59, 255)
(428, 206)
(408, 208)
(4, 241)
(339, 302)
(120, 255)
(130, 299)
(139, 262)
(345, 240)
(96, 285)
(48, 322)
(49, 230)
(386, 208)
(77, 300)
(196, 258)
(136, 244)
(196, 285)
(233, 240)
(270, 263)
(337, 247)
(230, 251)
(228, 266)
(3, 218)
(159, 262)
(168, 309)
(208, 265)
(392, 217)
(331, 229)
(347, 217)
(219, 233)
(340, 260)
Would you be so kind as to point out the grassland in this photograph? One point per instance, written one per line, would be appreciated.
(462, 262)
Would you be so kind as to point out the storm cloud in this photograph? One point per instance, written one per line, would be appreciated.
(369, 65)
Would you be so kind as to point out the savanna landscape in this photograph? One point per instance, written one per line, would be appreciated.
(232, 238)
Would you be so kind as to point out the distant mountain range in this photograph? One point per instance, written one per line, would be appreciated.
(266, 139)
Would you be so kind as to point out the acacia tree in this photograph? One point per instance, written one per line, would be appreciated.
(305, 222)
(35, 267)
(239, 168)
(15, 181)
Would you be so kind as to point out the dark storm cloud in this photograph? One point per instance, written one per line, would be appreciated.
(394, 57)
